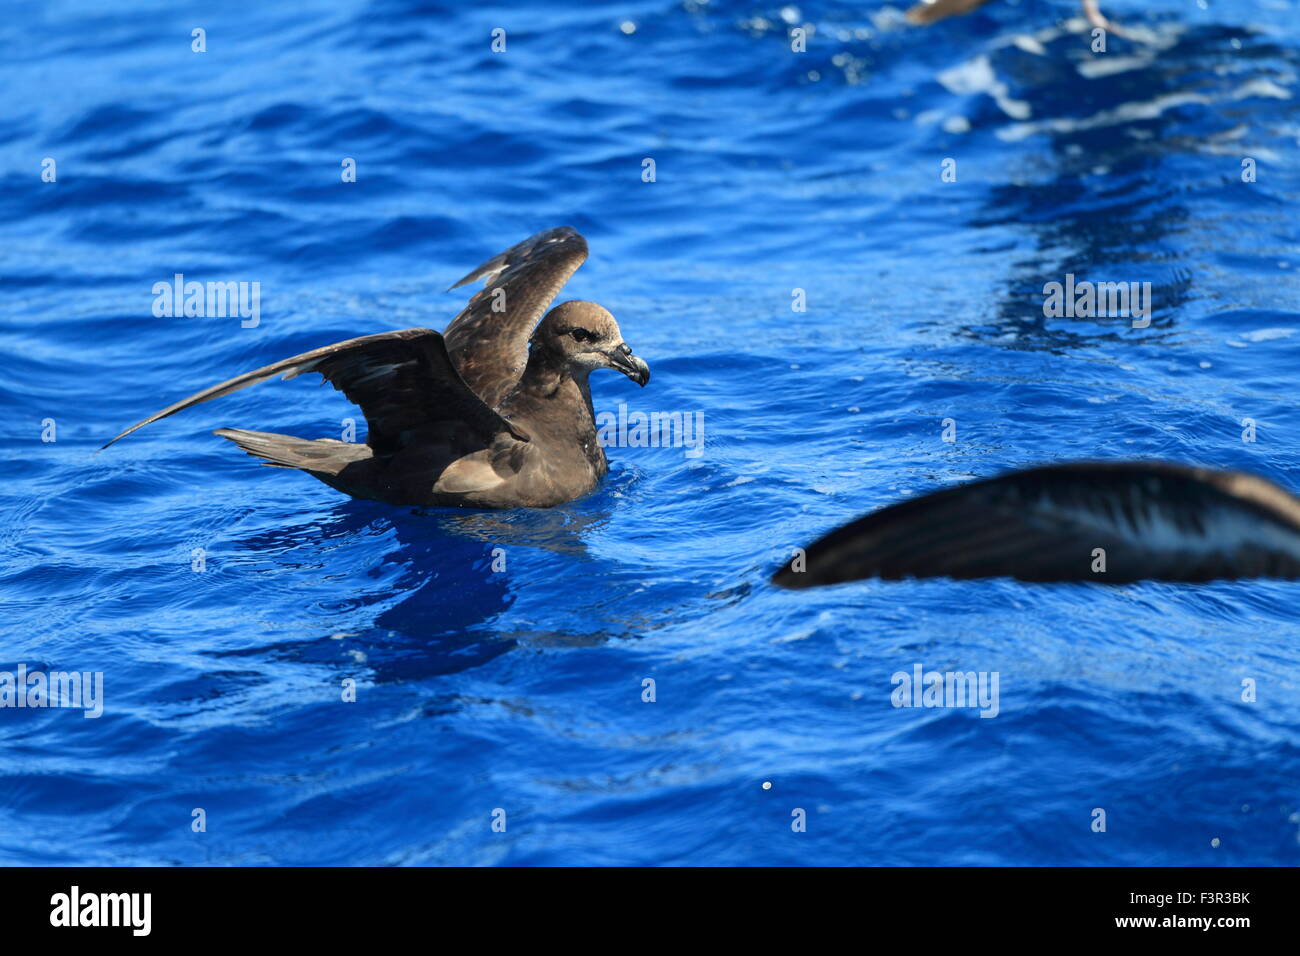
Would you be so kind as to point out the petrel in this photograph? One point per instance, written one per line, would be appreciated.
(1106, 522)
(491, 413)
(930, 11)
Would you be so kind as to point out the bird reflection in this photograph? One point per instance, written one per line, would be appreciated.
(451, 584)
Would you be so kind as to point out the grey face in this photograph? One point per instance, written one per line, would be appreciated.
(587, 335)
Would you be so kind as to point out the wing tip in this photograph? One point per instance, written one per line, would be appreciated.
(791, 580)
(555, 233)
(783, 578)
(113, 441)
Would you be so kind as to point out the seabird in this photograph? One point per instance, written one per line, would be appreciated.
(484, 415)
(931, 11)
(1107, 522)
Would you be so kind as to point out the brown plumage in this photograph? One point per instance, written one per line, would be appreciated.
(931, 11)
(493, 413)
(1106, 522)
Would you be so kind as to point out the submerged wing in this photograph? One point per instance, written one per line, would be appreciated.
(1092, 13)
(930, 11)
(1149, 520)
(404, 381)
(488, 341)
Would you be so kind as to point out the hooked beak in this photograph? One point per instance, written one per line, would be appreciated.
(622, 359)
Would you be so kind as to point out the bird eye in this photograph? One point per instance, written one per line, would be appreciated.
(582, 335)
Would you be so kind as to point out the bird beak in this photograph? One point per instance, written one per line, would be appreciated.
(622, 359)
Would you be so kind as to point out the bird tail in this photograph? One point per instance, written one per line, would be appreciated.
(322, 456)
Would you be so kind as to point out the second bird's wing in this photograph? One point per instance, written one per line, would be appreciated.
(1107, 522)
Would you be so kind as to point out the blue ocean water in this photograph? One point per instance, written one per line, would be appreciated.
(517, 695)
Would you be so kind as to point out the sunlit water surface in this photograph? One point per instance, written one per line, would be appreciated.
(522, 690)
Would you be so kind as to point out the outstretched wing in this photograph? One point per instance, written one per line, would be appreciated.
(404, 381)
(488, 341)
(1149, 520)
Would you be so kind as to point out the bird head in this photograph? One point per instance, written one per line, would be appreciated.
(586, 336)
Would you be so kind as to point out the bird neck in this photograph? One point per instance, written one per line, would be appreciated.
(548, 375)
(553, 398)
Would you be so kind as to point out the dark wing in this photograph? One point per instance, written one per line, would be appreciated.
(1152, 521)
(403, 381)
(488, 341)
